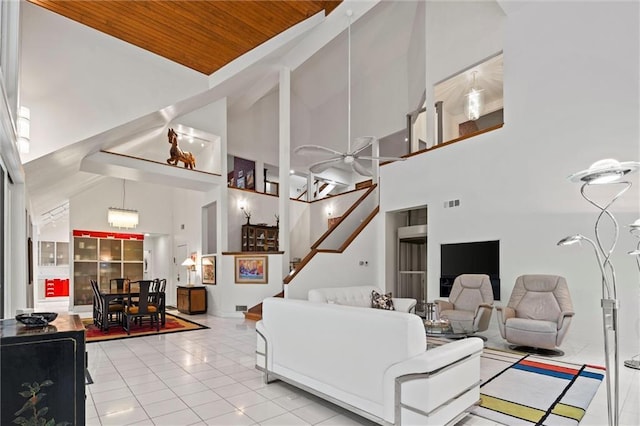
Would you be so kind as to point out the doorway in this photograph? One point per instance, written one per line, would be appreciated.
(411, 257)
(180, 272)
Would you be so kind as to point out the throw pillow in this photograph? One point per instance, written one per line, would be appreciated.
(381, 301)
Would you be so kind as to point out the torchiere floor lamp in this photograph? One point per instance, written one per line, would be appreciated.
(608, 172)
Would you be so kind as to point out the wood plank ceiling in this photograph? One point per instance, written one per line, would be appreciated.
(203, 35)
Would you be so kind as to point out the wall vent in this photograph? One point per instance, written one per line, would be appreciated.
(241, 308)
(451, 203)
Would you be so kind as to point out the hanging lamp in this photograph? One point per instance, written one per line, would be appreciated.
(121, 217)
(474, 100)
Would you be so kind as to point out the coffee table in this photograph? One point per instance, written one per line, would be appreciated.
(446, 328)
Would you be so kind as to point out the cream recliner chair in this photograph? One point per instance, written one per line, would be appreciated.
(470, 303)
(538, 313)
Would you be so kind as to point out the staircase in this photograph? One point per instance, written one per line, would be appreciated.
(255, 312)
(319, 193)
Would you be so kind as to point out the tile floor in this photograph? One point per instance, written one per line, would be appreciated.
(207, 377)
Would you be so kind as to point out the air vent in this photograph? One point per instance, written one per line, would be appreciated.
(241, 308)
(451, 203)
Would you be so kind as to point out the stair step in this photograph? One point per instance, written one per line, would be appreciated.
(253, 316)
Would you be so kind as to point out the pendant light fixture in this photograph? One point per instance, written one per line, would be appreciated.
(474, 100)
(121, 217)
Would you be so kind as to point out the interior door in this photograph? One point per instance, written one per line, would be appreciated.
(179, 272)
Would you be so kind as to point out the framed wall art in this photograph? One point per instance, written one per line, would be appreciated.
(208, 269)
(251, 269)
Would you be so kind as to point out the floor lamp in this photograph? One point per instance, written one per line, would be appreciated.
(635, 231)
(606, 172)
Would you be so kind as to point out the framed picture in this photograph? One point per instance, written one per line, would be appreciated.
(251, 269)
(208, 270)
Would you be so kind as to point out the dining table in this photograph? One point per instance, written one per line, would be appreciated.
(111, 294)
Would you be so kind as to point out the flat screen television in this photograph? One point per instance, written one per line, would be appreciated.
(480, 257)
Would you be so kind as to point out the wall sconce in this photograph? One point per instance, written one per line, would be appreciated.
(23, 129)
(191, 266)
(242, 204)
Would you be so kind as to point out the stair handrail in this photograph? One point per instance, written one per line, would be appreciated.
(344, 217)
(315, 248)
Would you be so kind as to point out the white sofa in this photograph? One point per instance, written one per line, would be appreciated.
(370, 361)
(356, 296)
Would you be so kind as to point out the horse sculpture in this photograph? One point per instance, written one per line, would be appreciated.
(177, 154)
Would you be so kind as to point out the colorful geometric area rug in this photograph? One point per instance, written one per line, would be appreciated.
(522, 389)
(530, 390)
(173, 324)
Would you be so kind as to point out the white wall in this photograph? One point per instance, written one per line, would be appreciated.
(415, 60)
(253, 134)
(228, 294)
(79, 82)
(570, 99)
(338, 205)
(299, 223)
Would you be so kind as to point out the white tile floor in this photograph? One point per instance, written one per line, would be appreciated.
(207, 377)
(196, 378)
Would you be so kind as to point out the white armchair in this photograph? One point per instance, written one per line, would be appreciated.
(470, 303)
(538, 313)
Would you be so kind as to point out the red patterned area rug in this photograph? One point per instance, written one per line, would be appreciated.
(173, 324)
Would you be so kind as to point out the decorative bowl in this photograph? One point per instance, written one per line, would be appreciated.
(36, 319)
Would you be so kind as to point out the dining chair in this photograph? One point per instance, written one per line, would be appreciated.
(118, 282)
(114, 310)
(97, 305)
(142, 309)
(156, 299)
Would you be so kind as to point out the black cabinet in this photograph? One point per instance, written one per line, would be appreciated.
(43, 371)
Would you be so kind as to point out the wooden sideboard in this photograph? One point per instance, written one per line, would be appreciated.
(259, 238)
(43, 360)
(192, 300)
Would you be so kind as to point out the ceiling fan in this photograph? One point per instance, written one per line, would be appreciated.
(352, 156)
